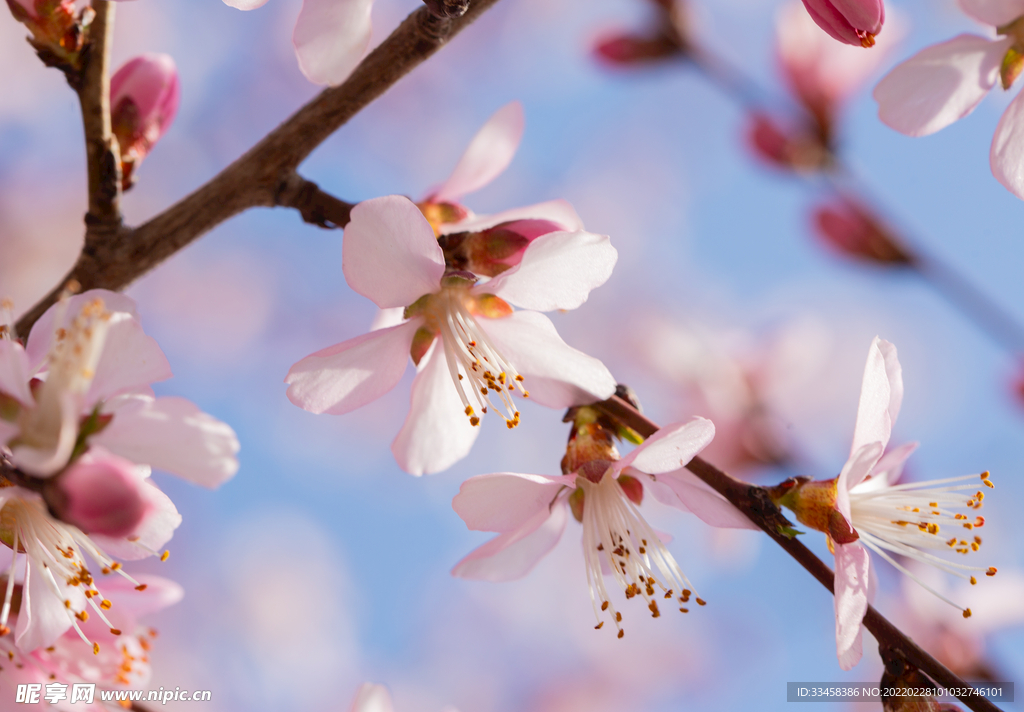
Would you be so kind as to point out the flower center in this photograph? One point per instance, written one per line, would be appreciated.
(55, 548)
(478, 369)
(617, 537)
(908, 520)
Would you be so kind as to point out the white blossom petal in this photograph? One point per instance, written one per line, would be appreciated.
(940, 84)
(330, 38)
(390, 254)
(14, 373)
(556, 375)
(349, 375)
(504, 501)
(436, 433)
(1006, 156)
(557, 271)
(853, 473)
(671, 447)
(685, 491)
(172, 434)
(993, 12)
(372, 698)
(881, 394)
(851, 601)
(512, 555)
(487, 155)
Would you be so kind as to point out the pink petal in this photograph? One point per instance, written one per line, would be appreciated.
(993, 12)
(155, 530)
(853, 472)
(103, 494)
(172, 434)
(888, 469)
(512, 555)
(330, 38)
(38, 343)
(372, 698)
(881, 393)
(436, 433)
(556, 211)
(487, 155)
(684, 491)
(556, 375)
(940, 84)
(503, 502)
(14, 372)
(387, 317)
(349, 375)
(390, 254)
(851, 599)
(159, 594)
(1006, 156)
(43, 617)
(130, 359)
(245, 4)
(557, 271)
(671, 447)
(44, 463)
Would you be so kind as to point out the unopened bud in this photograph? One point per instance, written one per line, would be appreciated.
(490, 252)
(797, 149)
(102, 494)
(57, 33)
(855, 22)
(628, 49)
(144, 96)
(853, 231)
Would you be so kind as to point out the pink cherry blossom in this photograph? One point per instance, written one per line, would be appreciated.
(122, 661)
(945, 82)
(461, 332)
(144, 95)
(854, 22)
(889, 518)
(529, 512)
(83, 379)
(59, 591)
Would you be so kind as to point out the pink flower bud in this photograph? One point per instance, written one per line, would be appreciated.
(103, 494)
(23, 8)
(144, 97)
(490, 252)
(625, 49)
(854, 22)
(853, 231)
(786, 149)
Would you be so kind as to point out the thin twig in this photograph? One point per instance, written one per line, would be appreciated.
(101, 148)
(757, 506)
(987, 315)
(255, 178)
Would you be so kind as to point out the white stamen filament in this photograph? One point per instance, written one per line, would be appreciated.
(908, 520)
(55, 547)
(614, 529)
(471, 353)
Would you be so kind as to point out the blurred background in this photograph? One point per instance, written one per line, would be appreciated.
(322, 565)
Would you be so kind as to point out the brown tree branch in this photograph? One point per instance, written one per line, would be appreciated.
(316, 206)
(102, 153)
(754, 502)
(256, 178)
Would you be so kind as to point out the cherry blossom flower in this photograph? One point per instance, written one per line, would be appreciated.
(462, 333)
(144, 95)
(83, 380)
(123, 659)
(603, 491)
(58, 587)
(945, 82)
(854, 22)
(865, 509)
